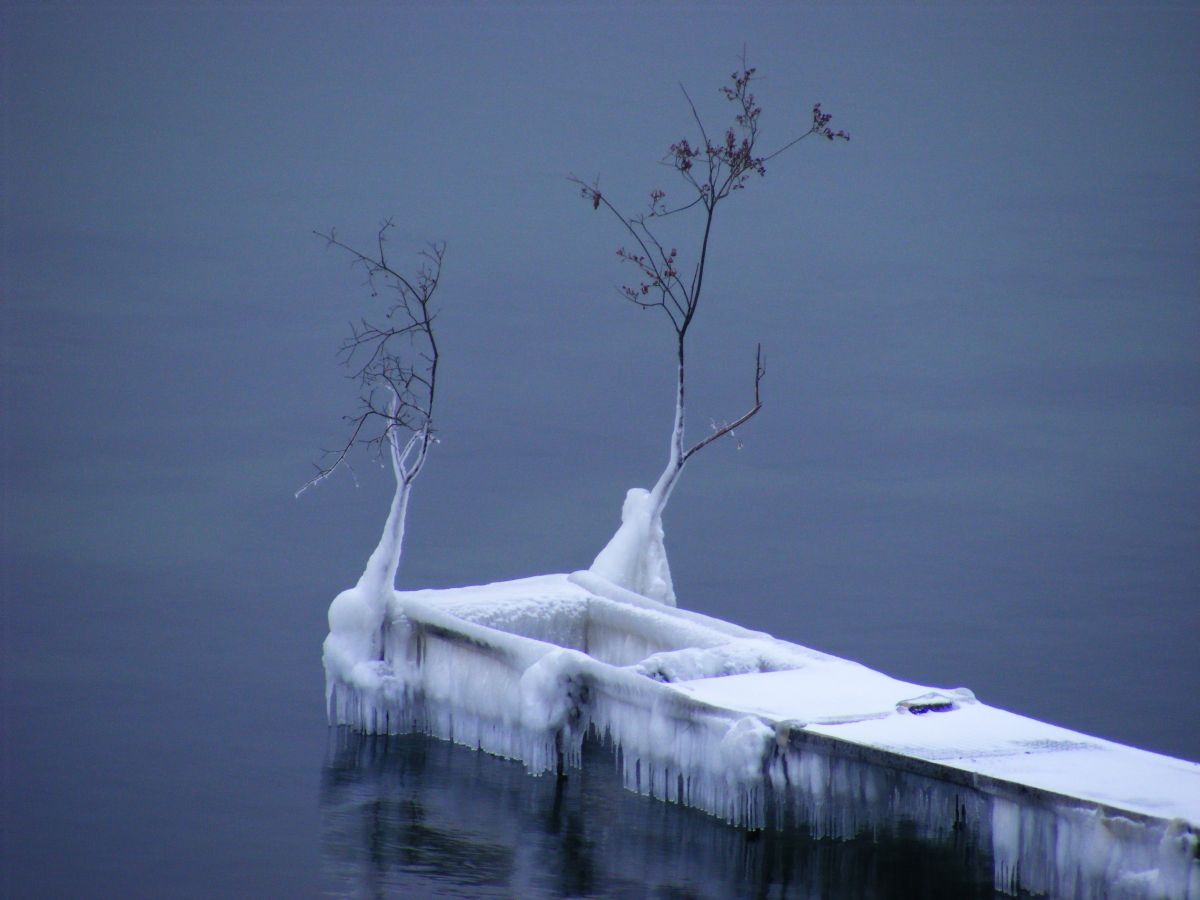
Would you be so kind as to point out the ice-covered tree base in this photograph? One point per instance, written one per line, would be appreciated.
(635, 558)
(761, 732)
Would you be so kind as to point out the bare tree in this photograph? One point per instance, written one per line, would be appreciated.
(712, 169)
(395, 363)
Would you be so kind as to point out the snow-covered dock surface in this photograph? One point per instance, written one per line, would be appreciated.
(761, 731)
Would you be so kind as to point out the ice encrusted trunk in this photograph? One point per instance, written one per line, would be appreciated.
(635, 558)
(353, 649)
(398, 388)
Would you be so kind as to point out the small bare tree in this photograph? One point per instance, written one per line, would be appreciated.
(396, 366)
(712, 169)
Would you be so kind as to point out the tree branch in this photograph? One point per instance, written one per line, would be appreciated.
(411, 386)
(721, 431)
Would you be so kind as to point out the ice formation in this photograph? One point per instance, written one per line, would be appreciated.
(354, 648)
(636, 558)
(754, 730)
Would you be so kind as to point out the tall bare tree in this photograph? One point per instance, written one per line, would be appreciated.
(395, 363)
(712, 168)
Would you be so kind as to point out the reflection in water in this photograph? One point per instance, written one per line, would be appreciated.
(409, 815)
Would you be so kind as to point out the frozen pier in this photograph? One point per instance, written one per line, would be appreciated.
(761, 732)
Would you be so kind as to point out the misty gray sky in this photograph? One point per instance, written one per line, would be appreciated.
(977, 459)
